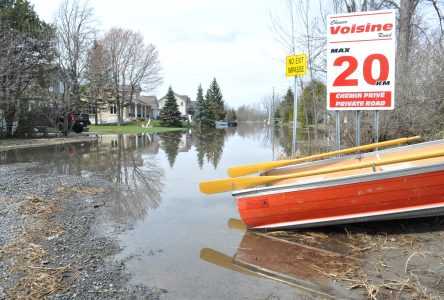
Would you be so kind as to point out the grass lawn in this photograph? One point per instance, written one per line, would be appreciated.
(135, 127)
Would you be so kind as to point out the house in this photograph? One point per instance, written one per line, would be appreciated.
(186, 106)
(151, 105)
(144, 107)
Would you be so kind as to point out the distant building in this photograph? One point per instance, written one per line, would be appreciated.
(186, 106)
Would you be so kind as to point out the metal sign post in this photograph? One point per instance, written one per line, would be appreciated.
(358, 128)
(376, 126)
(295, 118)
(338, 131)
(296, 66)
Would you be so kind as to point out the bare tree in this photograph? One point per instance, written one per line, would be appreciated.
(302, 31)
(98, 75)
(75, 33)
(267, 105)
(134, 65)
(251, 113)
(144, 69)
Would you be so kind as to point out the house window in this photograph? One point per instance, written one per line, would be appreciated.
(113, 109)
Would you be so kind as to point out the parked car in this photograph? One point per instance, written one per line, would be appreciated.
(76, 121)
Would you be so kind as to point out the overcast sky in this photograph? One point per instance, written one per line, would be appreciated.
(199, 40)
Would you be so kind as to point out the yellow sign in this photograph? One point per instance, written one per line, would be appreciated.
(296, 65)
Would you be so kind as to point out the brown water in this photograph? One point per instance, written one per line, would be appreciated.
(156, 180)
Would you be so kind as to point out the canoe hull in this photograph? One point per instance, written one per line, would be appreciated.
(416, 192)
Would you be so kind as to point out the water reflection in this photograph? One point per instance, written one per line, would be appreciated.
(137, 176)
(210, 144)
(263, 256)
(343, 262)
(173, 143)
(129, 162)
(279, 138)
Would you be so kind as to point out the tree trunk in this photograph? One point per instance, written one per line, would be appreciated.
(119, 113)
(66, 109)
(406, 12)
(9, 119)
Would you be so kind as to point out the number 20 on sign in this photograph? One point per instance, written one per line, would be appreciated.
(296, 65)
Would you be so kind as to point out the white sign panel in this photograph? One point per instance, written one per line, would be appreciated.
(361, 61)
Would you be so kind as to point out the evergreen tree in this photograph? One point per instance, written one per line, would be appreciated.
(204, 110)
(313, 96)
(208, 119)
(200, 109)
(26, 58)
(286, 107)
(170, 114)
(214, 95)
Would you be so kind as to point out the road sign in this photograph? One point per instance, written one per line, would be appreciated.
(296, 65)
(361, 61)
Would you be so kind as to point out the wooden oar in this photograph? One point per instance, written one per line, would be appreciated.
(230, 184)
(265, 166)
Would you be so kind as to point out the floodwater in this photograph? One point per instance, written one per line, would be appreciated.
(180, 241)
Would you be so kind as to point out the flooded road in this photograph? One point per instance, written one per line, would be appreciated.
(165, 247)
(182, 244)
(155, 179)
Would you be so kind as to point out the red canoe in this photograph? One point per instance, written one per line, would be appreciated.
(404, 190)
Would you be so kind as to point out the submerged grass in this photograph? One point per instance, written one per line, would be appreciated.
(135, 127)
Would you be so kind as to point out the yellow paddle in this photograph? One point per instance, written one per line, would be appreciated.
(237, 225)
(222, 260)
(230, 184)
(265, 166)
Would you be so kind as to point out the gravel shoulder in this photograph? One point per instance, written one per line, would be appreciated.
(53, 243)
(9, 144)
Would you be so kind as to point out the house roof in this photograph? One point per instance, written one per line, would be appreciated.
(182, 97)
(149, 100)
